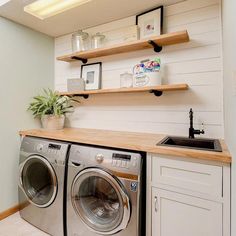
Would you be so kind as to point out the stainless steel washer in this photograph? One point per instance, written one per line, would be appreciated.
(41, 183)
(103, 192)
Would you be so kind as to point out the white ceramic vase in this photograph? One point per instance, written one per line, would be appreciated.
(52, 122)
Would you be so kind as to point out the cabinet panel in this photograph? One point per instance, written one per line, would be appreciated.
(198, 177)
(175, 214)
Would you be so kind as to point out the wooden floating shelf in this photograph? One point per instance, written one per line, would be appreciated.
(157, 90)
(154, 42)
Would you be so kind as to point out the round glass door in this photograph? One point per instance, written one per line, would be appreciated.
(38, 181)
(100, 201)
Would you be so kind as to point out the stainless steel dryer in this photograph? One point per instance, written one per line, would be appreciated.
(104, 192)
(41, 183)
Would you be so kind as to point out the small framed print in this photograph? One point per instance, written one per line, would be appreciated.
(91, 73)
(150, 22)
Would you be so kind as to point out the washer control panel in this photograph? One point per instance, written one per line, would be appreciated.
(115, 160)
(123, 160)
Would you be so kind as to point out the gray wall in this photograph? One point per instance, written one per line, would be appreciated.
(26, 66)
(229, 51)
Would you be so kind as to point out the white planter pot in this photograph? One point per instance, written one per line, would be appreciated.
(52, 122)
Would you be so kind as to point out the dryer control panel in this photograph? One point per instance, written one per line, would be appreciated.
(48, 148)
(53, 151)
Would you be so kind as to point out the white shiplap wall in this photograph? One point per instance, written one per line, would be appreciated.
(198, 63)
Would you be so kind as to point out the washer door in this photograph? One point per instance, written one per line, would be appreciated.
(100, 201)
(38, 181)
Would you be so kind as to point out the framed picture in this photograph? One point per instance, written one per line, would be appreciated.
(150, 22)
(91, 73)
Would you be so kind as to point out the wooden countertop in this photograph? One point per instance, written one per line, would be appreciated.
(128, 140)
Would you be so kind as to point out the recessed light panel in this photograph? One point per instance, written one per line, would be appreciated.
(43, 9)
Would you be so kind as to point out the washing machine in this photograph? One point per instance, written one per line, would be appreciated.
(41, 183)
(104, 192)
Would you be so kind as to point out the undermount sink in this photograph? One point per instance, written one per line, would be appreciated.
(196, 143)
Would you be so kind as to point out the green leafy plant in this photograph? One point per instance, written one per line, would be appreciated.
(51, 103)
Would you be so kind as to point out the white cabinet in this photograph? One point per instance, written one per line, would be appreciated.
(175, 214)
(187, 197)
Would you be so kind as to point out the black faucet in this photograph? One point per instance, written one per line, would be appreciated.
(193, 131)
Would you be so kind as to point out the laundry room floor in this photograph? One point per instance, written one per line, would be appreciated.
(16, 226)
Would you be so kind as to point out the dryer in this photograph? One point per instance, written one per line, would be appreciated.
(104, 192)
(41, 183)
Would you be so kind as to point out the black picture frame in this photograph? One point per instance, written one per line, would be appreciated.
(100, 73)
(154, 9)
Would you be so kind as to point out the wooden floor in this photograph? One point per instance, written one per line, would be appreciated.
(15, 226)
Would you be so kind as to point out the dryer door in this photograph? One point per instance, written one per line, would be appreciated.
(38, 181)
(100, 201)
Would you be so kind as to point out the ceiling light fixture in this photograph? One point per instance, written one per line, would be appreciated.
(43, 9)
(3, 2)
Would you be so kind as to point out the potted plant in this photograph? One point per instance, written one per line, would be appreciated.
(51, 108)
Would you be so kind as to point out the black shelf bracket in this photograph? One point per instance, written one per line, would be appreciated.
(156, 47)
(85, 96)
(157, 93)
(80, 59)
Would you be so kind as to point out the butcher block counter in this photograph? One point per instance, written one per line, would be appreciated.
(144, 142)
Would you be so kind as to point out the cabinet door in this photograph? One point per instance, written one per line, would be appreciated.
(175, 214)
